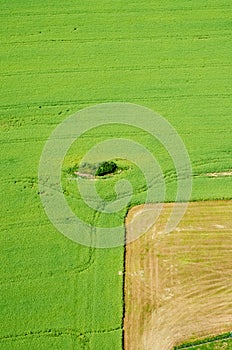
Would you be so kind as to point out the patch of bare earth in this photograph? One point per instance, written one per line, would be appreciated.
(219, 174)
(178, 286)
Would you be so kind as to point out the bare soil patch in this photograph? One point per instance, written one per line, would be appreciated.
(89, 176)
(219, 174)
(178, 286)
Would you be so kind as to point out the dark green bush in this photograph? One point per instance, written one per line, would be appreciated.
(106, 168)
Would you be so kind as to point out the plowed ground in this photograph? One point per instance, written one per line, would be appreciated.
(178, 286)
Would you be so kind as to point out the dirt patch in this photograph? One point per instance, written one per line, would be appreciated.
(219, 174)
(86, 175)
(178, 286)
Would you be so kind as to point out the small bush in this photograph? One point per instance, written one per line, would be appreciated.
(106, 168)
(72, 169)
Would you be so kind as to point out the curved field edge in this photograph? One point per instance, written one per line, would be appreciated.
(70, 336)
(216, 339)
(178, 285)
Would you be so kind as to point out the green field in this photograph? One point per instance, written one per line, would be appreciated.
(57, 58)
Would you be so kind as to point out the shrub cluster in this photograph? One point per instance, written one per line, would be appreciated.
(106, 168)
(101, 169)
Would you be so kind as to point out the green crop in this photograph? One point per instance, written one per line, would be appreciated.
(56, 58)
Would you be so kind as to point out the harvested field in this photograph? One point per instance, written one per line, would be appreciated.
(178, 286)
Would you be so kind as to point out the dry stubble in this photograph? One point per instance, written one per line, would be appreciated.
(179, 285)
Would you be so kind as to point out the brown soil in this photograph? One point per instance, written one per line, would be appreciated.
(219, 174)
(89, 176)
(178, 286)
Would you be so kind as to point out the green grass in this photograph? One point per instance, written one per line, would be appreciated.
(217, 345)
(57, 58)
(222, 341)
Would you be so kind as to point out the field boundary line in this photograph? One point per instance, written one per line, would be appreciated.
(204, 341)
(57, 333)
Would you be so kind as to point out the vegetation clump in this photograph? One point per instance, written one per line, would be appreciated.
(91, 170)
(106, 168)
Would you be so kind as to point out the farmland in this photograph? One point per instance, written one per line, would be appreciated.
(57, 58)
(178, 285)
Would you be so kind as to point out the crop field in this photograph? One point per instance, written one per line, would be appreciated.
(57, 58)
(179, 286)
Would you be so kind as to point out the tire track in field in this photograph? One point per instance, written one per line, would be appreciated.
(108, 69)
(56, 333)
(120, 11)
(91, 290)
(51, 273)
(120, 39)
(105, 100)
